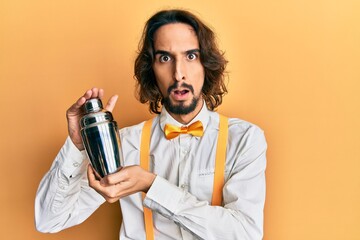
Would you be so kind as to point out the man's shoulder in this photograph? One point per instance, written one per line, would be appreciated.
(246, 132)
(241, 125)
(240, 128)
(237, 124)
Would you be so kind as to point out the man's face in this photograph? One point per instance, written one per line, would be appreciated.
(177, 67)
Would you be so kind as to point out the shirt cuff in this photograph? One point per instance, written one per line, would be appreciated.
(71, 159)
(165, 194)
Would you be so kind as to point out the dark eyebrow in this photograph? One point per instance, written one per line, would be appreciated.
(193, 51)
(162, 52)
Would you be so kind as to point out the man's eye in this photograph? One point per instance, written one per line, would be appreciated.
(164, 58)
(192, 56)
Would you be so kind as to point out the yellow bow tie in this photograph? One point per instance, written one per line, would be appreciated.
(195, 129)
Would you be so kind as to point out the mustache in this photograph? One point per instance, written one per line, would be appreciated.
(183, 85)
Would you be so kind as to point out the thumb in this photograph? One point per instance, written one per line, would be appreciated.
(111, 103)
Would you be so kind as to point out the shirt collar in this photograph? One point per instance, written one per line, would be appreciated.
(203, 116)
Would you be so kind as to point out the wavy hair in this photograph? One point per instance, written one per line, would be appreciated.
(211, 58)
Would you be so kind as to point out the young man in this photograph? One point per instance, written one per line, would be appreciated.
(180, 74)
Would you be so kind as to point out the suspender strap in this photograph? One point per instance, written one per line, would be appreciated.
(218, 174)
(220, 161)
(144, 163)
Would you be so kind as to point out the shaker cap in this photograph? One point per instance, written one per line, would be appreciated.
(93, 105)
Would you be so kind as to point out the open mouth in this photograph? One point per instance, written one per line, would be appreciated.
(181, 92)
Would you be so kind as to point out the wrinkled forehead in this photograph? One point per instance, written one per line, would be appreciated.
(174, 35)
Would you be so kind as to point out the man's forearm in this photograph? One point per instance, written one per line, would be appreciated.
(64, 198)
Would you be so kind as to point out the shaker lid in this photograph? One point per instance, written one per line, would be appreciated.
(93, 105)
(94, 113)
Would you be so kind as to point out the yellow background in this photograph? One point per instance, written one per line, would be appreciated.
(294, 71)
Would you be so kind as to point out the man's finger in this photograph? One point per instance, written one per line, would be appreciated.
(93, 182)
(111, 103)
(112, 179)
(101, 93)
(95, 92)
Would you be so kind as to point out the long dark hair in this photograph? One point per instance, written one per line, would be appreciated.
(211, 58)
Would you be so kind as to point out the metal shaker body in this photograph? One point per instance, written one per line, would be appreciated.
(100, 137)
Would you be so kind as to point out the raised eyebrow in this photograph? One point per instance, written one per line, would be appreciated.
(161, 52)
(193, 51)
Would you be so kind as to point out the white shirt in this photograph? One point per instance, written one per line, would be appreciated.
(180, 195)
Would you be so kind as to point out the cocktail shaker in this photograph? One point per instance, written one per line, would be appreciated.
(101, 138)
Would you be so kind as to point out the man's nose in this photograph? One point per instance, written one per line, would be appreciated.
(179, 71)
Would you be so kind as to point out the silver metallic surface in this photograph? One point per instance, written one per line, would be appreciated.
(101, 138)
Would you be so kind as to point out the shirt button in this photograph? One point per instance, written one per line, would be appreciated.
(62, 187)
(75, 164)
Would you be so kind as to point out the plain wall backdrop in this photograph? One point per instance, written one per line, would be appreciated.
(294, 70)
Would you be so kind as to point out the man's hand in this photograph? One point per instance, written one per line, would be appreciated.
(126, 181)
(75, 112)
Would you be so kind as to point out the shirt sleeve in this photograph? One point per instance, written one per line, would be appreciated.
(64, 198)
(241, 216)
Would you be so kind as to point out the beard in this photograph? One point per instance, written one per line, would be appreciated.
(180, 108)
